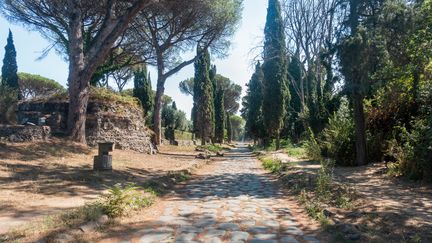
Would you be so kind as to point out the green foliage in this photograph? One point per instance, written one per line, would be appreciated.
(8, 100)
(232, 91)
(106, 95)
(121, 200)
(296, 152)
(272, 165)
(9, 76)
(211, 147)
(252, 105)
(313, 149)
(295, 124)
(32, 85)
(203, 97)
(143, 89)
(413, 151)
(174, 122)
(337, 140)
(275, 93)
(219, 116)
(324, 183)
(229, 128)
(237, 126)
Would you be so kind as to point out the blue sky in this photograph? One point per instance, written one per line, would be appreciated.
(238, 66)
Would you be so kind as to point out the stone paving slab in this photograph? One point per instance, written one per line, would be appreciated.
(237, 203)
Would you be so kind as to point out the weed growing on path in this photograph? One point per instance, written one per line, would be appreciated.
(273, 165)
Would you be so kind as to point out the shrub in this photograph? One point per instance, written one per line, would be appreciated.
(325, 181)
(273, 165)
(313, 150)
(8, 101)
(121, 200)
(414, 151)
(338, 139)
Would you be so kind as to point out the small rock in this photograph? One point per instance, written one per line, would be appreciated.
(63, 238)
(103, 219)
(88, 227)
(354, 236)
(202, 156)
(328, 213)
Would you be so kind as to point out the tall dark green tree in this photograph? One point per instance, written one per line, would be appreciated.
(354, 66)
(10, 67)
(204, 102)
(254, 101)
(296, 126)
(275, 72)
(229, 127)
(219, 116)
(143, 89)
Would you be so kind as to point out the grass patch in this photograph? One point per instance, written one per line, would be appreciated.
(317, 192)
(272, 165)
(296, 152)
(107, 96)
(119, 201)
(214, 148)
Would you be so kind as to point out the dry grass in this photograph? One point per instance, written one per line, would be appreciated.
(385, 209)
(47, 178)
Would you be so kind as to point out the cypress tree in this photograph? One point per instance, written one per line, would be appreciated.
(10, 67)
(275, 72)
(174, 106)
(203, 97)
(219, 116)
(229, 127)
(143, 89)
(296, 125)
(254, 100)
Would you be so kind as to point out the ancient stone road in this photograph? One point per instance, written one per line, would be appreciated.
(235, 203)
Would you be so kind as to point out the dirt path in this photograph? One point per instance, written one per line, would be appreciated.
(234, 202)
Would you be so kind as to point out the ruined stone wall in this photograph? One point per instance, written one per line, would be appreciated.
(116, 122)
(21, 133)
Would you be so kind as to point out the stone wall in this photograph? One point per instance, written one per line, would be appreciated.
(22, 133)
(111, 121)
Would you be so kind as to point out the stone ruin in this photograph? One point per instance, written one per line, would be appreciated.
(117, 122)
(22, 133)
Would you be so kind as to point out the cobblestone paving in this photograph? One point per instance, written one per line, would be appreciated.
(236, 203)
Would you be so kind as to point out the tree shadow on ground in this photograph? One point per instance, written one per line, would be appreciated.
(69, 181)
(41, 150)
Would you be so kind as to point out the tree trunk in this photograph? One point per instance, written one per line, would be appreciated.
(157, 124)
(415, 91)
(77, 80)
(278, 142)
(360, 129)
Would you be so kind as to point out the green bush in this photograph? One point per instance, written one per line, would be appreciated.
(8, 101)
(273, 165)
(412, 151)
(313, 150)
(121, 200)
(338, 138)
(325, 181)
